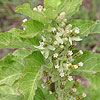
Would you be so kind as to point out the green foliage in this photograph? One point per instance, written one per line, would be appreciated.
(90, 71)
(70, 7)
(86, 27)
(26, 10)
(32, 27)
(46, 36)
(31, 75)
(52, 3)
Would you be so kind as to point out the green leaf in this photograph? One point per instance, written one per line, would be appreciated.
(70, 7)
(35, 15)
(90, 71)
(86, 27)
(32, 27)
(12, 65)
(20, 54)
(51, 13)
(91, 63)
(31, 75)
(96, 27)
(11, 39)
(10, 93)
(9, 70)
(39, 95)
(52, 3)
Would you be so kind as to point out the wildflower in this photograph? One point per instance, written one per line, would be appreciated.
(80, 64)
(75, 66)
(70, 78)
(64, 83)
(42, 44)
(35, 9)
(70, 53)
(24, 28)
(74, 89)
(55, 55)
(62, 74)
(81, 52)
(57, 66)
(24, 20)
(83, 94)
(77, 31)
(53, 29)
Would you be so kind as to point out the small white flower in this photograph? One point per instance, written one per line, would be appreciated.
(71, 31)
(81, 52)
(80, 64)
(70, 53)
(62, 74)
(24, 28)
(40, 8)
(42, 44)
(35, 9)
(75, 66)
(84, 94)
(74, 89)
(55, 55)
(64, 83)
(53, 29)
(57, 66)
(77, 31)
(24, 20)
(70, 78)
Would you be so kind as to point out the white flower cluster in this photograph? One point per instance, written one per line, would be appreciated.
(57, 44)
(39, 8)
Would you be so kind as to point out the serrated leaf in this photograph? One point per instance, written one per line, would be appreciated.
(31, 75)
(32, 27)
(10, 93)
(52, 3)
(86, 27)
(35, 15)
(12, 65)
(9, 70)
(70, 7)
(11, 39)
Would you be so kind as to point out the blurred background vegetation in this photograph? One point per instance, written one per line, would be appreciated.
(90, 10)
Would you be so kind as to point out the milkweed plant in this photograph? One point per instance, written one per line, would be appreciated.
(46, 64)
